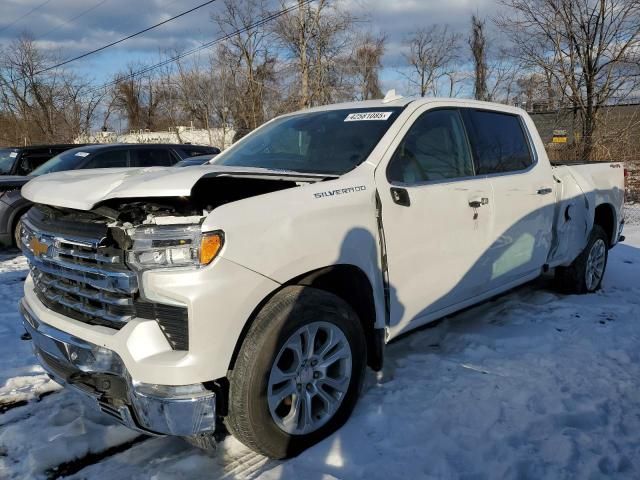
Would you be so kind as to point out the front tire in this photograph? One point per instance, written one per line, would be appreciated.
(298, 373)
(586, 272)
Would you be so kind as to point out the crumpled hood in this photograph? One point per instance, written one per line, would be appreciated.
(83, 189)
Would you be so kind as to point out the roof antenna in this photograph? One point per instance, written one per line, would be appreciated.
(391, 96)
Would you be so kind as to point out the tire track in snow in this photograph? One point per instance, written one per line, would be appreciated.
(245, 466)
(74, 466)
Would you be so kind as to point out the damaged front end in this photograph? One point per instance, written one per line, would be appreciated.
(90, 265)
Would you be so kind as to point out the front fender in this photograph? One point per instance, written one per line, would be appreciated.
(289, 233)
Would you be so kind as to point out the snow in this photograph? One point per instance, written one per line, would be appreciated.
(533, 384)
(21, 378)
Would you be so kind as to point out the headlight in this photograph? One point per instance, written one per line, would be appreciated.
(175, 246)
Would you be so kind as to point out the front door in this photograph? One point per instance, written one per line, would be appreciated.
(437, 217)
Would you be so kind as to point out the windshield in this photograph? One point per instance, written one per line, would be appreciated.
(68, 160)
(7, 159)
(330, 142)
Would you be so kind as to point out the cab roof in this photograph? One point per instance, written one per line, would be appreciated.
(401, 102)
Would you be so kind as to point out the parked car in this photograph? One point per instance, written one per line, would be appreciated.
(194, 161)
(13, 205)
(260, 287)
(23, 160)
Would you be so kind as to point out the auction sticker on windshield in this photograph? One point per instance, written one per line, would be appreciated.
(368, 116)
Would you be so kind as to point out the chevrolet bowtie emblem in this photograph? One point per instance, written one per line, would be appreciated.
(37, 247)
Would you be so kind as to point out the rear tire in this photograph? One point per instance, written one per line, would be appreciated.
(280, 398)
(586, 272)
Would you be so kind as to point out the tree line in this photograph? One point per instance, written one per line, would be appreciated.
(577, 54)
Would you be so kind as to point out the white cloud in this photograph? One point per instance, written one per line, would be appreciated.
(115, 19)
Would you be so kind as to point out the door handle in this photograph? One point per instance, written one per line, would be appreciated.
(477, 203)
(400, 196)
(545, 191)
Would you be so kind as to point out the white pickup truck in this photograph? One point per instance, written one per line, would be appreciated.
(257, 289)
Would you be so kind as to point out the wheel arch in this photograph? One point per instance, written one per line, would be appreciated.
(352, 285)
(15, 217)
(605, 217)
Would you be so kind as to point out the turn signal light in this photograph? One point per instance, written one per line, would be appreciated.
(210, 245)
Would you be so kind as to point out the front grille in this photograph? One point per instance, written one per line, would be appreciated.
(88, 280)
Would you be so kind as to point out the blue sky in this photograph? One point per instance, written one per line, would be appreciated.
(109, 20)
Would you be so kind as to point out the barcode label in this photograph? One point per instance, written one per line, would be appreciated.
(368, 116)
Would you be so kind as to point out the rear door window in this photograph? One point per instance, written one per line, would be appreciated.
(110, 159)
(151, 157)
(499, 142)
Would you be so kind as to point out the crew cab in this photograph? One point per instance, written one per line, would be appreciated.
(258, 288)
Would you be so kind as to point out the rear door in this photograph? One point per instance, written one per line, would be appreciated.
(437, 218)
(523, 192)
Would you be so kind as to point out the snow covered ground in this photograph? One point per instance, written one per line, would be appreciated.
(530, 385)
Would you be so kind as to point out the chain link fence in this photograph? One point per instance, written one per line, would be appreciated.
(632, 213)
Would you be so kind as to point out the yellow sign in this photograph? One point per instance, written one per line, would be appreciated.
(559, 139)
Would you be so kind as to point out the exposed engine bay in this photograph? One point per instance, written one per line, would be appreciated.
(114, 219)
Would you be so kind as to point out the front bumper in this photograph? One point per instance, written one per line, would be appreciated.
(100, 373)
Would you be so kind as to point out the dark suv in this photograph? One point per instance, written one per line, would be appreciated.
(13, 205)
(22, 160)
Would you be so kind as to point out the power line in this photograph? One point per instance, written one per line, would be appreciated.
(24, 16)
(259, 23)
(68, 21)
(53, 67)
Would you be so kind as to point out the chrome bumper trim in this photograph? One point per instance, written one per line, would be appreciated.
(150, 409)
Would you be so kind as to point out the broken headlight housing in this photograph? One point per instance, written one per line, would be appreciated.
(173, 246)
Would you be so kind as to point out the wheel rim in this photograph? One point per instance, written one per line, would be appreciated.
(595, 264)
(309, 378)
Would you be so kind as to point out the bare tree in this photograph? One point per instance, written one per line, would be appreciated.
(51, 106)
(296, 31)
(367, 62)
(139, 99)
(248, 54)
(317, 37)
(502, 75)
(590, 48)
(431, 54)
(478, 45)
